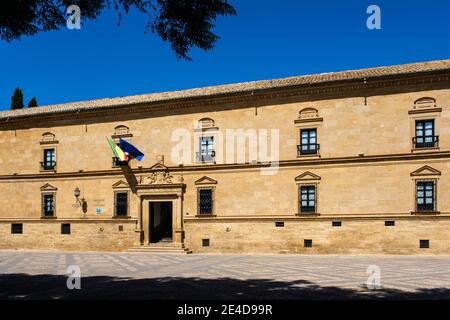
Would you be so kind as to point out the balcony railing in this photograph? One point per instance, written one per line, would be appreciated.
(306, 149)
(117, 163)
(205, 157)
(425, 142)
(48, 165)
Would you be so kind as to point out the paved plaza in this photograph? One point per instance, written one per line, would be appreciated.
(43, 275)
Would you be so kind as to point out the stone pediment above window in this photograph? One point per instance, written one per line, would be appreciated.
(120, 184)
(425, 105)
(425, 171)
(308, 115)
(48, 138)
(122, 131)
(205, 181)
(307, 176)
(48, 187)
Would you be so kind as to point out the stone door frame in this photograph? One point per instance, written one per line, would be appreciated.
(161, 193)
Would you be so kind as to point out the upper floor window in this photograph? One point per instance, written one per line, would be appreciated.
(205, 201)
(49, 159)
(425, 196)
(121, 204)
(307, 195)
(308, 142)
(48, 205)
(206, 152)
(425, 135)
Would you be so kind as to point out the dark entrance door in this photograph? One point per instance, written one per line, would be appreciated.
(160, 221)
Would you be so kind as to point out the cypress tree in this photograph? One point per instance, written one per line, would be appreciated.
(17, 99)
(33, 103)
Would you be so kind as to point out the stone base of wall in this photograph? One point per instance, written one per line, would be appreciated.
(84, 235)
(355, 236)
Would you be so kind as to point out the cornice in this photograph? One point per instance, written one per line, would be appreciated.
(214, 167)
(311, 92)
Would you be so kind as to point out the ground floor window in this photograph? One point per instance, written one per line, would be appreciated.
(48, 205)
(121, 204)
(425, 196)
(307, 199)
(205, 201)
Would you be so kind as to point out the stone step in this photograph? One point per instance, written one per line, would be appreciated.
(160, 249)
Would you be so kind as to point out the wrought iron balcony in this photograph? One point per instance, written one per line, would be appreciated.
(306, 149)
(205, 157)
(48, 165)
(425, 142)
(117, 163)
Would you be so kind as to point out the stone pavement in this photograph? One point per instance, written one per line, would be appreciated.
(42, 275)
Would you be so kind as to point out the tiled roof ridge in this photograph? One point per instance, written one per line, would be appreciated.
(234, 88)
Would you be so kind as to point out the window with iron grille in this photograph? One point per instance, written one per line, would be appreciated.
(205, 242)
(121, 204)
(48, 205)
(308, 142)
(307, 198)
(424, 244)
(279, 224)
(425, 196)
(49, 162)
(17, 228)
(307, 243)
(336, 223)
(207, 152)
(389, 223)
(205, 201)
(425, 137)
(65, 228)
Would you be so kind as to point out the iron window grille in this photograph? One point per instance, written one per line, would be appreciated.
(424, 244)
(206, 152)
(425, 196)
(307, 196)
(425, 136)
(65, 228)
(49, 162)
(48, 205)
(307, 243)
(205, 201)
(308, 142)
(121, 204)
(17, 228)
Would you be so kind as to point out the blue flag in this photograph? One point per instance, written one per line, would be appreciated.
(130, 149)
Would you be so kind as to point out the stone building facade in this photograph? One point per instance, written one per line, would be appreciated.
(361, 165)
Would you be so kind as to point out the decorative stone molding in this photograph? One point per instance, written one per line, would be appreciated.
(425, 105)
(48, 138)
(120, 185)
(121, 131)
(308, 176)
(48, 187)
(161, 177)
(425, 171)
(205, 181)
(308, 115)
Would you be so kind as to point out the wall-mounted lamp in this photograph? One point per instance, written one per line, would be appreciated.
(82, 202)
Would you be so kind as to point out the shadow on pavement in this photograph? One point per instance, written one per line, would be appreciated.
(24, 286)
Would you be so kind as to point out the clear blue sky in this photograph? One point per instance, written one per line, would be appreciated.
(268, 39)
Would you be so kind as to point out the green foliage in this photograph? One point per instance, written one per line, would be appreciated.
(17, 99)
(32, 103)
(183, 23)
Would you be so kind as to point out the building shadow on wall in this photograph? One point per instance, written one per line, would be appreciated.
(24, 286)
